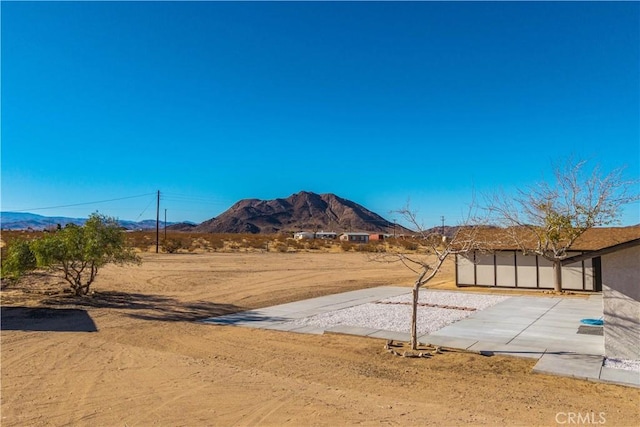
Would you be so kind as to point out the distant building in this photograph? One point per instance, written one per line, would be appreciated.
(303, 235)
(328, 235)
(355, 237)
(375, 236)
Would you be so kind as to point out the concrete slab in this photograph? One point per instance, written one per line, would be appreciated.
(445, 341)
(508, 350)
(570, 365)
(525, 326)
(391, 335)
(351, 330)
(620, 376)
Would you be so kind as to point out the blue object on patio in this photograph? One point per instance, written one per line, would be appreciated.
(592, 322)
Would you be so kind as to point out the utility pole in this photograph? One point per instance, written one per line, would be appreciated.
(442, 218)
(158, 223)
(165, 224)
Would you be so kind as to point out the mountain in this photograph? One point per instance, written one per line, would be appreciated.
(182, 226)
(25, 221)
(300, 211)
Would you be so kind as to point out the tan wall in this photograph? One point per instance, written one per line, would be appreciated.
(572, 276)
(485, 271)
(527, 271)
(505, 269)
(465, 270)
(621, 300)
(513, 269)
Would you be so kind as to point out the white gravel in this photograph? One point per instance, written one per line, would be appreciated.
(396, 316)
(627, 365)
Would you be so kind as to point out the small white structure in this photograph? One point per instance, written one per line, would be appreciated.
(303, 235)
(355, 237)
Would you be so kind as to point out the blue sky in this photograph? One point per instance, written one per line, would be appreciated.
(379, 103)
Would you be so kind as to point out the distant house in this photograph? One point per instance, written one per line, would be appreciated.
(375, 236)
(328, 235)
(503, 265)
(303, 235)
(355, 237)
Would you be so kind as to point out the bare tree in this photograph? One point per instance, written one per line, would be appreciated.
(548, 217)
(426, 266)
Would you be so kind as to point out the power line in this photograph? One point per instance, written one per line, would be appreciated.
(81, 204)
(147, 207)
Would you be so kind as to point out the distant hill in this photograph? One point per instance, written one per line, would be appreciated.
(26, 221)
(182, 226)
(300, 211)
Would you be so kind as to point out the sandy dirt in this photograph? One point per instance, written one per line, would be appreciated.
(148, 363)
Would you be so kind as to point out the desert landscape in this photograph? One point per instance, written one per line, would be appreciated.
(147, 361)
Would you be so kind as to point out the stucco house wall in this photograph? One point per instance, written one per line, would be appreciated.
(513, 269)
(621, 301)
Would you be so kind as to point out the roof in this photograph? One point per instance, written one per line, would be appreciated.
(592, 240)
(603, 251)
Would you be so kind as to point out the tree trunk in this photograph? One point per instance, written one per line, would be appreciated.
(414, 319)
(557, 276)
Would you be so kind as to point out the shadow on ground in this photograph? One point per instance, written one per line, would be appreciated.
(147, 306)
(46, 319)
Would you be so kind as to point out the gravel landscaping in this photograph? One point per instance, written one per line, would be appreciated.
(394, 314)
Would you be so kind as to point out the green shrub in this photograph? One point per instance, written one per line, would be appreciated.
(19, 259)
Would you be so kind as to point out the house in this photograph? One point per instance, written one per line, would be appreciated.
(327, 235)
(355, 237)
(379, 236)
(504, 265)
(620, 273)
(303, 235)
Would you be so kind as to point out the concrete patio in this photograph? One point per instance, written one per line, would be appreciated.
(544, 328)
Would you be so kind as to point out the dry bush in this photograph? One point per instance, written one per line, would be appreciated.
(171, 246)
(279, 246)
(346, 246)
(371, 247)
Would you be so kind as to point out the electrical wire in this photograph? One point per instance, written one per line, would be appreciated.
(82, 204)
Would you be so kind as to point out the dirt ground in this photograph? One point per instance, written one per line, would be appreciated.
(148, 363)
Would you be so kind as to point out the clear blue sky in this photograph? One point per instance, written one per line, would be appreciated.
(213, 102)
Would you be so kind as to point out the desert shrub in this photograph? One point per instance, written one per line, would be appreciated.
(295, 244)
(280, 247)
(255, 241)
(76, 252)
(314, 244)
(409, 245)
(140, 239)
(346, 246)
(18, 259)
(370, 247)
(171, 245)
(216, 241)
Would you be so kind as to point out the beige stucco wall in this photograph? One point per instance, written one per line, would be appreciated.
(621, 300)
(514, 269)
(465, 269)
(527, 270)
(506, 269)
